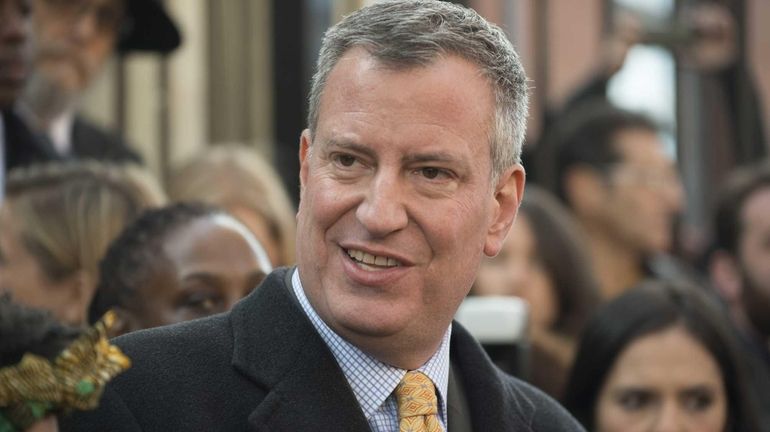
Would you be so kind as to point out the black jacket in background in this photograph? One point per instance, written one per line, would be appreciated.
(90, 141)
(22, 146)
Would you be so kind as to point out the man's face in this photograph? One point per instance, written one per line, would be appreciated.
(643, 194)
(397, 204)
(75, 38)
(14, 49)
(755, 259)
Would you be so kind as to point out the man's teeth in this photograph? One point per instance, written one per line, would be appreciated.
(370, 259)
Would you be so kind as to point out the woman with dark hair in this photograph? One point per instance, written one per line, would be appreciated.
(659, 356)
(542, 262)
(177, 263)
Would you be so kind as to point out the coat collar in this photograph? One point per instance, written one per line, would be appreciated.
(276, 346)
(493, 405)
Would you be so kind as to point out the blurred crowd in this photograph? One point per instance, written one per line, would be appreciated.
(622, 328)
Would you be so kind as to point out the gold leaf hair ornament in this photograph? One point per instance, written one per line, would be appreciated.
(36, 387)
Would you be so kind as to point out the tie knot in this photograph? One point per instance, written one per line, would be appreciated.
(416, 395)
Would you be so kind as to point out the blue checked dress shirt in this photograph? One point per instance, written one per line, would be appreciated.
(372, 381)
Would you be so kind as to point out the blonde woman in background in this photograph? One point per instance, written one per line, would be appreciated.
(55, 225)
(239, 180)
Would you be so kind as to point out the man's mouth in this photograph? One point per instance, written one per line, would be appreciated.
(368, 260)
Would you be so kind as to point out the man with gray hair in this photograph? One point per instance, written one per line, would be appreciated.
(18, 144)
(75, 39)
(410, 174)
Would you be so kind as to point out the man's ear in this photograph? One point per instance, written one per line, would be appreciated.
(509, 192)
(724, 272)
(305, 141)
(584, 190)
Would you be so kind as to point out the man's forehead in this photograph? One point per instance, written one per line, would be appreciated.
(360, 57)
(358, 71)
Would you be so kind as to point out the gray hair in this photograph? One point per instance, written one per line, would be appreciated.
(413, 33)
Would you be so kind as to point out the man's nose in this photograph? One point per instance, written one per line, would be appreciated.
(382, 210)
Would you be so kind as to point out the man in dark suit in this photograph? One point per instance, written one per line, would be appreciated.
(409, 172)
(18, 145)
(75, 39)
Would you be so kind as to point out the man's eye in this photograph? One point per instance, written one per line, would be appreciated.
(432, 173)
(345, 160)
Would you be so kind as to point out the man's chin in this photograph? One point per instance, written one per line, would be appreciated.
(370, 324)
(63, 75)
(49, 94)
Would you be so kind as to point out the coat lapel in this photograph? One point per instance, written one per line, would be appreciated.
(22, 146)
(277, 347)
(492, 405)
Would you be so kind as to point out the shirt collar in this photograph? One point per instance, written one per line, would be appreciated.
(373, 381)
(60, 132)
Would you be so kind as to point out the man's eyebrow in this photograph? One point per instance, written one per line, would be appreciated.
(437, 156)
(430, 157)
(349, 145)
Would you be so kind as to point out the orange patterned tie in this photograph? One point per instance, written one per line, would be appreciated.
(417, 404)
